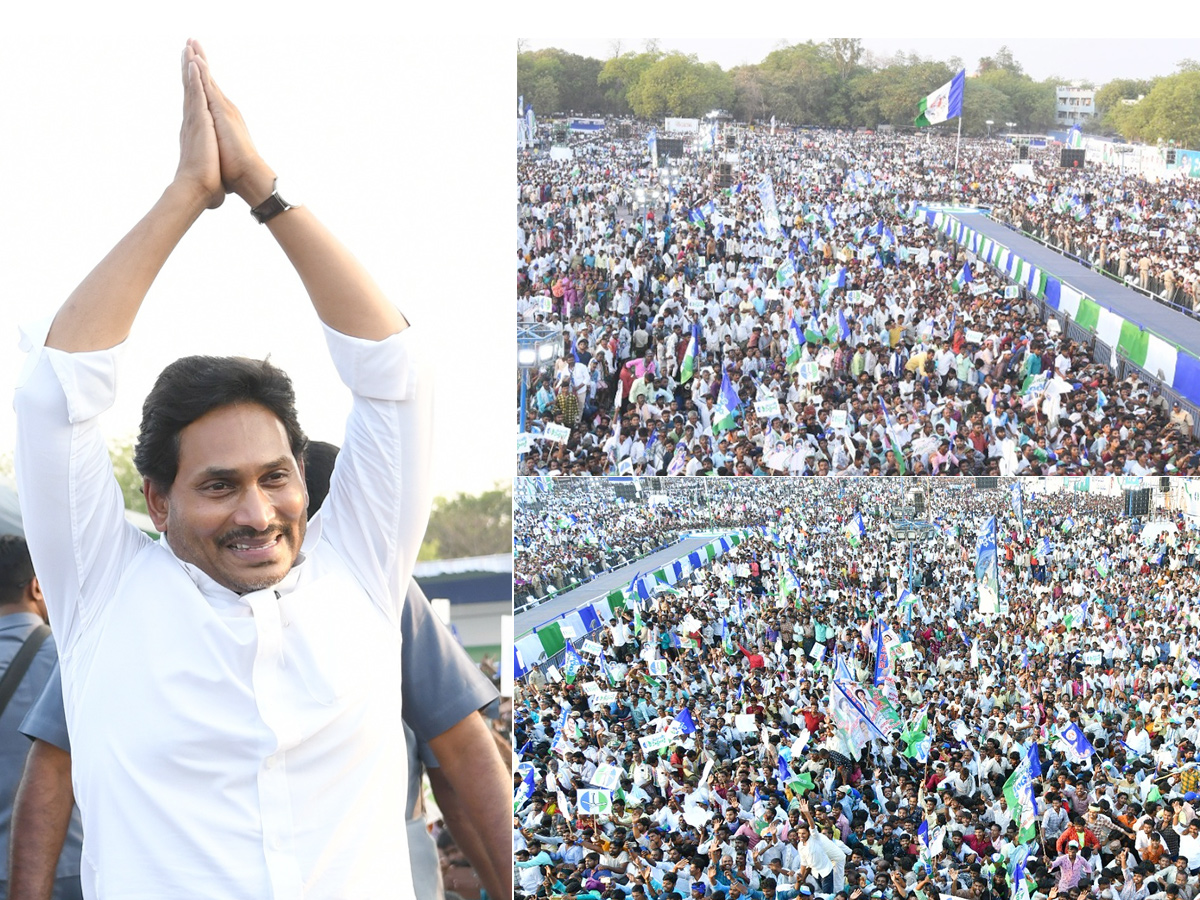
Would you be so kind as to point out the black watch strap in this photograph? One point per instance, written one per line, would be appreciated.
(271, 207)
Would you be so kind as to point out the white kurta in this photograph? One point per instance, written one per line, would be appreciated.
(232, 746)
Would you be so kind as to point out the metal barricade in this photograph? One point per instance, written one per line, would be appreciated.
(1128, 367)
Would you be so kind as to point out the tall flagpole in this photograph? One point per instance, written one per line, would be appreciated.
(956, 145)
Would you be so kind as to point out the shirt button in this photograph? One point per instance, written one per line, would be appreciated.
(276, 843)
(272, 761)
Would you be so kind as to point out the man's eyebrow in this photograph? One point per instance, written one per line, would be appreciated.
(218, 472)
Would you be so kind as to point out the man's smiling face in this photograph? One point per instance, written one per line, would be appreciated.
(237, 507)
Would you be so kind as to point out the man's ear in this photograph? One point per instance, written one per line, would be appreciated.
(303, 478)
(158, 504)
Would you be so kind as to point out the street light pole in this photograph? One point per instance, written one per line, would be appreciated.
(990, 123)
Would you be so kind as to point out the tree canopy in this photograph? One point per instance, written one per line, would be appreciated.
(839, 83)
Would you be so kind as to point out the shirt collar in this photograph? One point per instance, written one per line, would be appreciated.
(13, 621)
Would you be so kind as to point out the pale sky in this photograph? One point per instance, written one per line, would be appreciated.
(363, 120)
(1096, 59)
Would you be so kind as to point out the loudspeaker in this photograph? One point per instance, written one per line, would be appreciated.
(987, 481)
(725, 175)
(1164, 484)
(1137, 503)
(1072, 158)
(624, 132)
(1170, 157)
(730, 142)
(672, 147)
(626, 490)
(1023, 152)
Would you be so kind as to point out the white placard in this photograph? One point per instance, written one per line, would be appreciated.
(973, 336)
(568, 631)
(522, 443)
(607, 776)
(604, 697)
(625, 466)
(817, 651)
(1093, 658)
(697, 305)
(556, 433)
(553, 674)
(590, 687)
(766, 409)
(591, 647)
(809, 372)
(838, 418)
(745, 723)
(979, 287)
(547, 304)
(1012, 292)
(722, 602)
(653, 742)
(904, 650)
(658, 667)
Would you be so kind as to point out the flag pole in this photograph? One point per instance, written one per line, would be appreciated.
(956, 145)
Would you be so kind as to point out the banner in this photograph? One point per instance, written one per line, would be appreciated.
(653, 742)
(770, 212)
(987, 573)
(847, 708)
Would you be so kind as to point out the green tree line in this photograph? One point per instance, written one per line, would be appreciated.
(839, 83)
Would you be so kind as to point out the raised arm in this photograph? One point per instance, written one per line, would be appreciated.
(345, 297)
(100, 312)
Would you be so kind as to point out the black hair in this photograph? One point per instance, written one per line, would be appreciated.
(16, 568)
(194, 386)
(319, 458)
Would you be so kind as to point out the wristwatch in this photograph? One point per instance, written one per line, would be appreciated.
(272, 206)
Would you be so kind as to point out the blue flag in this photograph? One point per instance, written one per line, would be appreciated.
(1035, 762)
(1074, 743)
(685, 721)
(843, 327)
(524, 790)
(572, 663)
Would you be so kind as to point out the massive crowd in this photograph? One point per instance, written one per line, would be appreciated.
(698, 339)
(1081, 684)
(575, 534)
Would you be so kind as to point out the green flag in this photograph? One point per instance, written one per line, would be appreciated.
(801, 783)
(917, 739)
(1018, 796)
(688, 369)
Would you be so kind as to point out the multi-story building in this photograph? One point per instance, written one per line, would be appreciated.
(1073, 104)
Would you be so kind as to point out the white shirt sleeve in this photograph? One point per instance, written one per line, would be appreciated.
(71, 505)
(379, 495)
